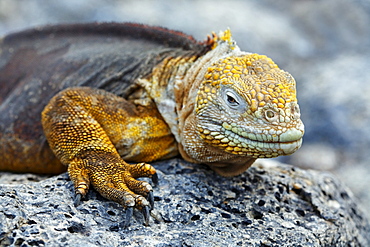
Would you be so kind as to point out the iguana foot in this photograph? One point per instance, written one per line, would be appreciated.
(115, 180)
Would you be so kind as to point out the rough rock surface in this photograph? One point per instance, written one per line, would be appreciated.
(271, 204)
(325, 45)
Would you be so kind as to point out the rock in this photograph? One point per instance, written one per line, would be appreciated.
(323, 44)
(271, 204)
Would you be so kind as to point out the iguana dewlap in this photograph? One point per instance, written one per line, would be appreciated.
(92, 97)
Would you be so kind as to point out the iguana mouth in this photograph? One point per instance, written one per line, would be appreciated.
(259, 146)
(265, 144)
(272, 149)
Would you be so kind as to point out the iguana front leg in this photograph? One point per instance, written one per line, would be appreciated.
(90, 130)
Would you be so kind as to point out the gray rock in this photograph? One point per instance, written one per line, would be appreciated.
(324, 44)
(271, 204)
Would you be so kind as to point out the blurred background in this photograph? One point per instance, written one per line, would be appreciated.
(324, 44)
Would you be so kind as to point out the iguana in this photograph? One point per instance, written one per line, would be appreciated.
(92, 97)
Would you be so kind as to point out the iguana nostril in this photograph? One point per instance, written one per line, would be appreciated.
(270, 115)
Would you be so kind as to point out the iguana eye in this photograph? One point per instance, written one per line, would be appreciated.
(231, 99)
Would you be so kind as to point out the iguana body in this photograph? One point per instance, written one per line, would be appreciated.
(111, 93)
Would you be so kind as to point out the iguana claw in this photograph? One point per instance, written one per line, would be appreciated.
(146, 214)
(155, 179)
(129, 213)
(77, 199)
(151, 199)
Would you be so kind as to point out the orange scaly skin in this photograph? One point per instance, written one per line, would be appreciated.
(221, 107)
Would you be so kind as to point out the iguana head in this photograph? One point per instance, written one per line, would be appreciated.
(247, 106)
(234, 107)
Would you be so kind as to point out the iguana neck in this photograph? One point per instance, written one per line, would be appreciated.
(174, 83)
(164, 85)
(187, 89)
